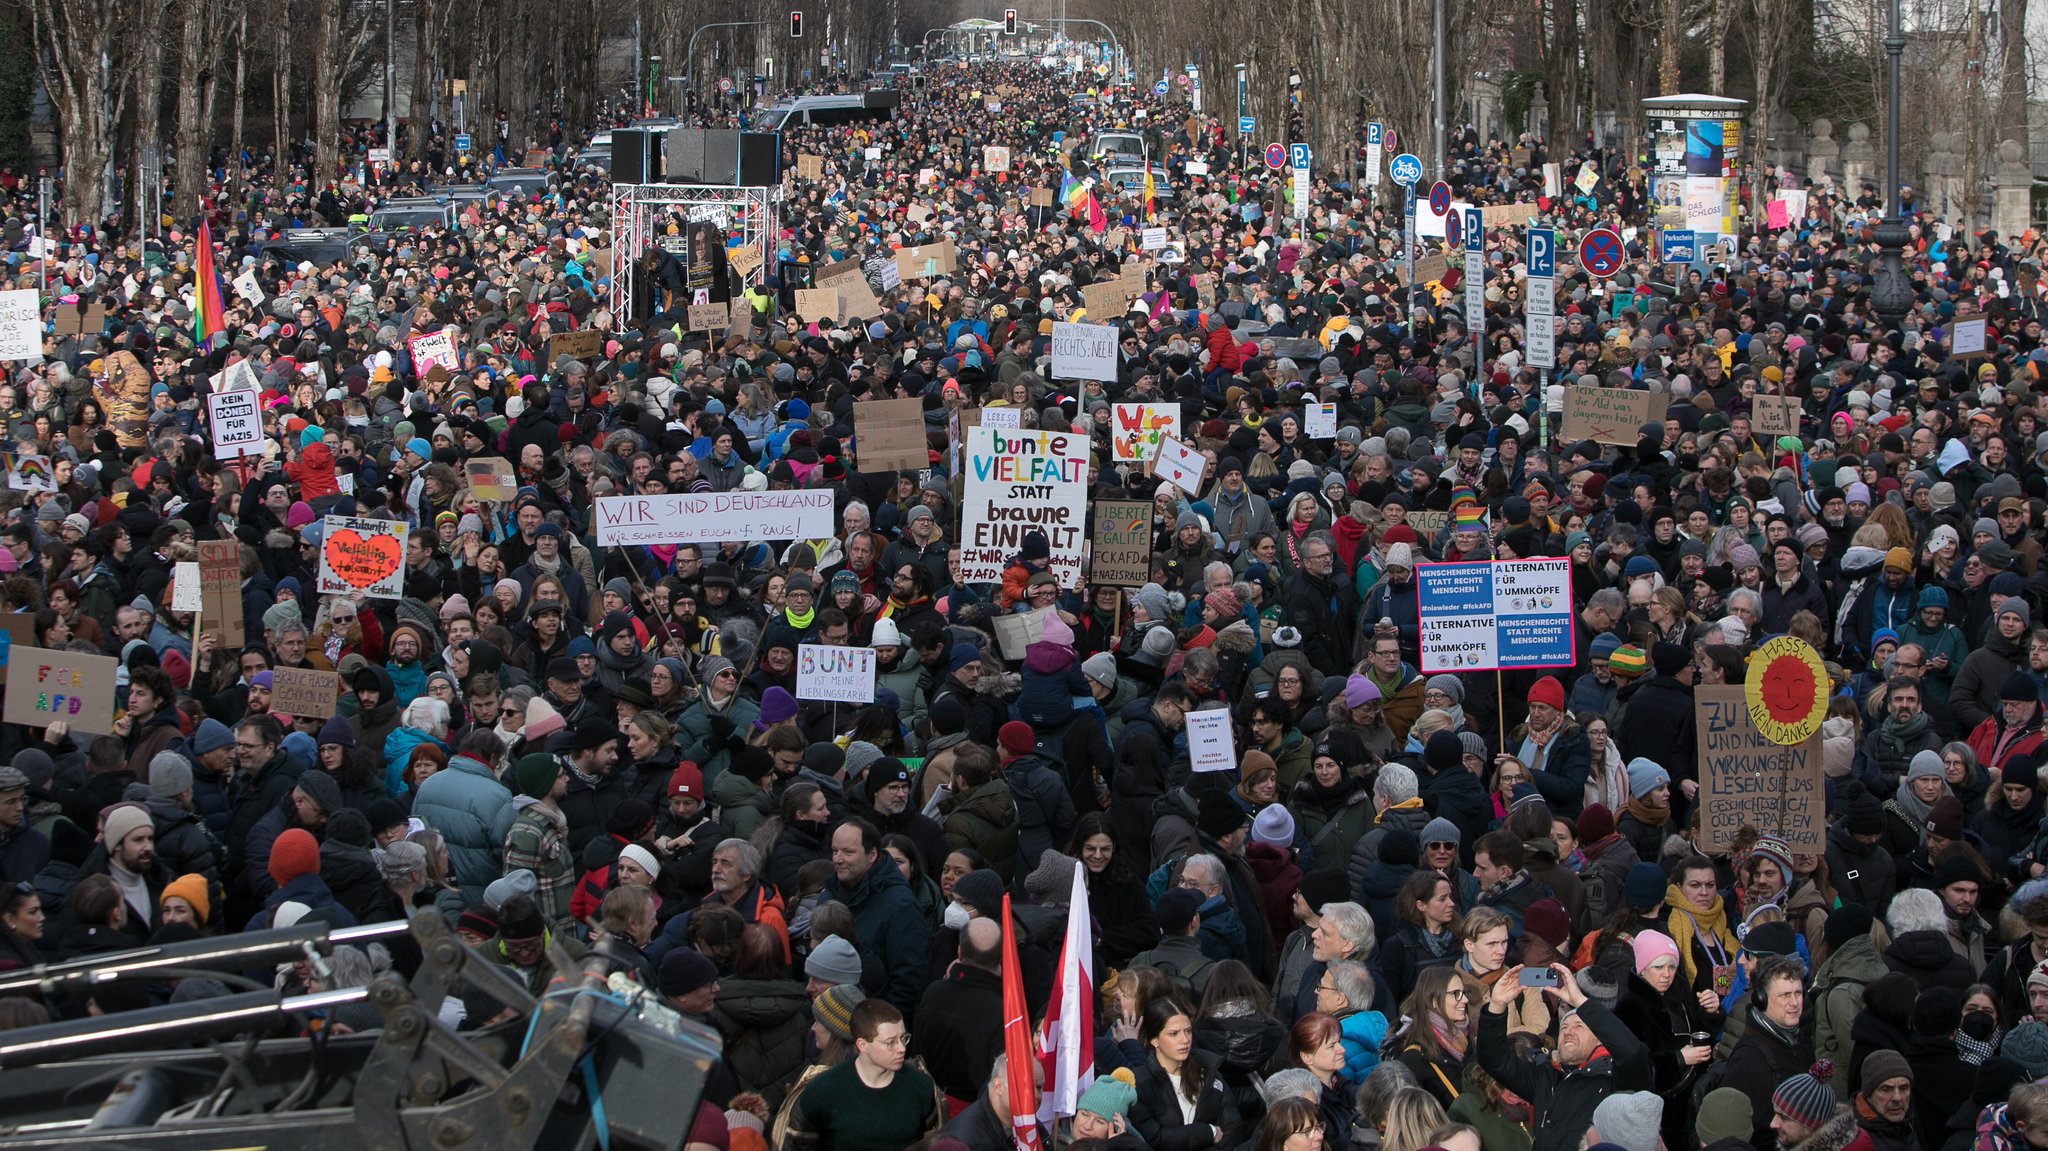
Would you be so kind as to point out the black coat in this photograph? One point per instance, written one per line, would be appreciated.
(1758, 1064)
(1657, 724)
(1563, 1100)
(1325, 612)
(1665, 1023)
(1928, 958)
(1155, 1113)
(959, 1030)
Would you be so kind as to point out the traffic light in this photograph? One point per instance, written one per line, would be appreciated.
(1009, 21)
(796, 25)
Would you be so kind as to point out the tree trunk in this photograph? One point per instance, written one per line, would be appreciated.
(234, 165)
(78, 78)
(1670, 38)
(281, 89)
(327, 95)
(426, 79)
(2012, 74)
(145, 206)
(194, 129)
(1717, 47)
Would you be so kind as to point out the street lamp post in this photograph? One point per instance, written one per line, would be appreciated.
(1890, 293)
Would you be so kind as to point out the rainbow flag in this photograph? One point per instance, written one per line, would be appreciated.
(208, 320)
(1468, 518)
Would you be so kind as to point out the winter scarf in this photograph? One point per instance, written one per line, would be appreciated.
(1710, 927)
(1896, 734)
(1650, 815)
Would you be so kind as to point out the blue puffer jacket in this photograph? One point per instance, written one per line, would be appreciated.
(472, 811)
(1362, 1033)
(397, 750)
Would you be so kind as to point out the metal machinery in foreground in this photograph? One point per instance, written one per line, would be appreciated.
(578, 1068)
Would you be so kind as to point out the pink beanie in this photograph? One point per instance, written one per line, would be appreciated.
(1651, 946)
(1056, 631)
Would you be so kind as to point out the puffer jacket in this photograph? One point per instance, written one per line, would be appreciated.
(986, 820)
(1243, 1039)
(398, 748)
(742, 805)
(1045, 809)
(472, 811)
(707, 740)
(763, 1021)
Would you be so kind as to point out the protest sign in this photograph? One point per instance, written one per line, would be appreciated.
(304, 693)
(249, 288)
(491, 478)
(709, 317)
(1120, 551)
(21, 325)
(17, 630)
(45, 686)
(1746, 780)
(1504, 215)
(1041, 197)
(185, 595)
(1322, 422)
(837, 674)
(580, 345)
(925, 260)
(1967, 336)
(1084, 351)
(236, 420)
(743, 259)
(432, 350)
(1136, 429)
(1018, 630)
(1774, 415)
(30, 473)
(995, 158)
(816, 304)
(1483, 615)
(1180, 465)
(714, 517)
(1019, 482)
(888, 435)
(1609, 415)
(1104, 299)
(239, 376)
(362, 555)
(1427, 524)
(1151, 239)
(220, 591)
(809, 167)
(81, 319)
(1211, 746)
(1005, 417)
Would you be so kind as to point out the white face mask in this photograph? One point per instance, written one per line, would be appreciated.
(956, 916)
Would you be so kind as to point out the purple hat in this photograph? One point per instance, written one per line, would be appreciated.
(260, 679)
(777, 705)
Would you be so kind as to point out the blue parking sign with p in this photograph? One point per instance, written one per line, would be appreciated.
(1475, 230)
(1542, 252)
(1372, 135)
(1297, 155)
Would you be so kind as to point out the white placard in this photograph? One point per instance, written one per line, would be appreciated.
(1152, 239)
(1553, 181)
(434, 348)
(1083, 352)
(21, 325)
(1322, 421)
(1703, 204)
(872, 155)
(714, 517)
(1136, 429)
(1197, 168)
(1180, 465)
(1967, 338)
(1211, 746)
(1017, 483)
(236, 421)
(345, 482)
(837, 674)
(362, 555)
(994, 157)
(30, 473)
(892, 276)
(185, 586)
(1006, 418)
(247, 287)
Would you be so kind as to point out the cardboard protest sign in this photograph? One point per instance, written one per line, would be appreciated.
(304, 693)
(46, 686)
(362, 555)
(1609, 415)
(1136, 429)
(1774, 415)
(1120, 551)
(1746, 780)
(837, 674)
(580, 345)
(926, 260)
(743, 259)
(1505, 215)
(809, 167)
(1211, 744)
(491, 478)
(434, 350)
(709, 317)
(220, 591)
(816, 304)
(236, 420)
(1019, 482)
(1041, 197)
(857, 301)
(1085, 352)
(1002, 416)
(17, 630)
(74, 320)
(1967, 337)
(826, 273)
(1104, 299)
(888, 435)
(1180, 465)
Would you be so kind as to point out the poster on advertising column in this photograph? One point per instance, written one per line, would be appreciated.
(1018, 482)
(1499, 614)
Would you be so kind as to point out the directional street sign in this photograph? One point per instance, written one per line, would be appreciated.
(1276, 156)
(1439, 198)
(1539, 307)
(1246, 125)
(1159, 89)
(462, 142)
(1298, 156)
(1406, 170)
(1680, 246)
(1374, 147)
(1600, 252)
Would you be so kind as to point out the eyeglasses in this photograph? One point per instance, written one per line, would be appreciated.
(343, 619)
(250, 746)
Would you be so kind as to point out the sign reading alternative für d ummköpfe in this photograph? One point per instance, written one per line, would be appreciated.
(1482, 615)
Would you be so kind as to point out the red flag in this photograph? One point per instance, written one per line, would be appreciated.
(1020, 1053)
(1097, 220)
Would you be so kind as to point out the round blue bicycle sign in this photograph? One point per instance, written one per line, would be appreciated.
(1406, 170)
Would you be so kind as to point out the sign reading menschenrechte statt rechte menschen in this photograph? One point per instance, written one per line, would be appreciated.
(1495, 614)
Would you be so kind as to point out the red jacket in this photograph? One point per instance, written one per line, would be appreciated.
(1223, 355)
(314, 472)
(1992, 753)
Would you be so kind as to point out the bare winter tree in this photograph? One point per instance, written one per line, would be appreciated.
(77, 39)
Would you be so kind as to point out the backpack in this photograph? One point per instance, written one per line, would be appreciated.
(1593, 882)
(1184, 980)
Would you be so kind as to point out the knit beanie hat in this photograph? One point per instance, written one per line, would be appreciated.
(1645, 886)
(1052, 881)
(1101, 668)
(1650, 946)
(834, 961)
(1359, 691)
(1109, 1097)
(683, 971)
(1882, 1067)
(1806, 1098)
(191, 889)
(170, 775)
(1449, 684)
(2027, 1045)
(1595, 823)
(1630, 1119)
(123, 821)
(535, 774)
(1724, 1114)
(1774, 851)
(294, 854)
(980, 889)
(1440, 830)
(834, 1008)
(1628, 661)
(1925, 763)
(1645, 777)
